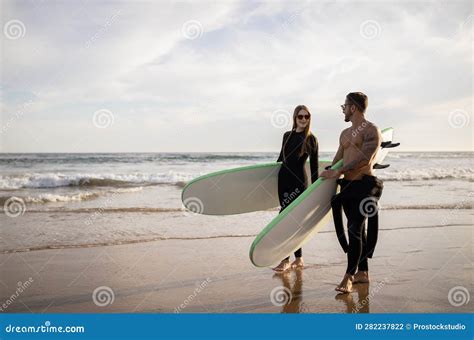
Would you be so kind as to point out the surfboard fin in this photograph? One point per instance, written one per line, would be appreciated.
(389, 144)
(378, 166)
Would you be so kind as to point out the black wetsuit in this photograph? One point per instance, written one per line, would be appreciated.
(291, 178)
(358, 199)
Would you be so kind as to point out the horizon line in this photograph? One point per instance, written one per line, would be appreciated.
(119, 152)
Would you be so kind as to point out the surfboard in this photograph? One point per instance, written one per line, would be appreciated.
(303, 218)
(238, 190)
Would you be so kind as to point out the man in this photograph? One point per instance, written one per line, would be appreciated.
(358, 146)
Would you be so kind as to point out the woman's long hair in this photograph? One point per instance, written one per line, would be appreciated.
(307, 132)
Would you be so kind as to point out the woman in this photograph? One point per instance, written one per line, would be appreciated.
(298, 144)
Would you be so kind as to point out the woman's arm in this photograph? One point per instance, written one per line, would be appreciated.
(280, 157)
(313, 159)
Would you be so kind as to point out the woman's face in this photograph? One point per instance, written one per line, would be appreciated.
(302, 119)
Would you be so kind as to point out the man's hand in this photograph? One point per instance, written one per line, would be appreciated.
(326, 174)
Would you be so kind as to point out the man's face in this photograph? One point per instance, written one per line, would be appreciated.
(347, 110)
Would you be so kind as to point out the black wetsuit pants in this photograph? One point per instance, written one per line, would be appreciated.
(291, 184)
(359, 201)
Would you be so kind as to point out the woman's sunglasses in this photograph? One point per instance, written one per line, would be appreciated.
(300, 117)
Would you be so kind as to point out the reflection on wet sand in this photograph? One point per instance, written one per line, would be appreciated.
(362, 304)
(295, 303)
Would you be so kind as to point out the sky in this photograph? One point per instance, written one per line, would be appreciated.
(220, 76)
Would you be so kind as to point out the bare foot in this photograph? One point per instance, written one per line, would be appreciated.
(283, 266)
(361, 277)
(346, 284)
(298, 263)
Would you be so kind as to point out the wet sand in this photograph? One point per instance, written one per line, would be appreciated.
(412, 271)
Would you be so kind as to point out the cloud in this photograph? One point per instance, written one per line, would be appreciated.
(413, 59)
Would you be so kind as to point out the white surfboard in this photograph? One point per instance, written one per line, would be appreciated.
(237, 191)
(303, 218)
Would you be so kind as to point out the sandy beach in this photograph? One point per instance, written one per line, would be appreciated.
(416, 264)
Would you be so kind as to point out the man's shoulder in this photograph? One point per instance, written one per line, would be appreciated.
(371, 125)
(345, 131)
(371, 130)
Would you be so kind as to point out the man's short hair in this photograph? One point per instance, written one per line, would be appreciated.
(358, 99)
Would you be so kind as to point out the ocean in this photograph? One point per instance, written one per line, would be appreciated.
(66, 200)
